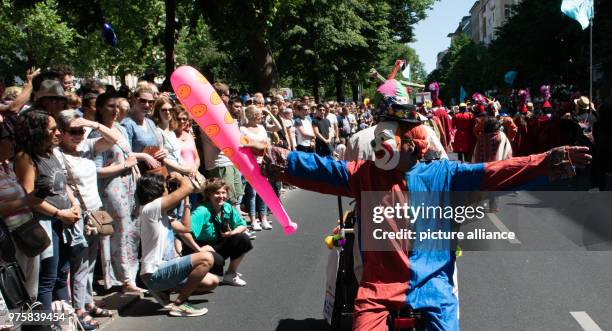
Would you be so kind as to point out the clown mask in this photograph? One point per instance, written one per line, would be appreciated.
(385, 146)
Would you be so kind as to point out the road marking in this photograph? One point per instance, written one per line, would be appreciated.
(585, 321)
(502, 227)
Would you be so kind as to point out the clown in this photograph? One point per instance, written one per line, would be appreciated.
(420, 279)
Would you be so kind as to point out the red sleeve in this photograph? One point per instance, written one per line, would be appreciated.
(514, 172)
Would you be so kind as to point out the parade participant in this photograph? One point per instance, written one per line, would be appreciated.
(463, 144)
(445, 121)
(508, 125)
(520, 144)
(422, 280)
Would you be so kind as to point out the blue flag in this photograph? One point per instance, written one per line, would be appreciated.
(462, 94)
(510, 76)
(580, 10)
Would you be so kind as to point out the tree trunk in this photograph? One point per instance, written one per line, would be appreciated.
(169, 41)
(355, 90)
(261, 64)
(315, 86)
(339, 86)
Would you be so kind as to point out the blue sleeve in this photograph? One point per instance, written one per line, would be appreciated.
(468, 176)
(129, 131)
(320, 174)
(297, 122)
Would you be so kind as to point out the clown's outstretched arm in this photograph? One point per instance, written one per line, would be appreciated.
(308, 171)
(522, 172)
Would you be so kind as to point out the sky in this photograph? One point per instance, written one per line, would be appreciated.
(431, 33)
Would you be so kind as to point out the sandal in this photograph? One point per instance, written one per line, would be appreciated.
(96, 311)
(131, 288)
(87, 322)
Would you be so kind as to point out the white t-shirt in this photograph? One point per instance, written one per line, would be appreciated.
(261, 136)
(307, 126)
(83, 173)
(333, 120)
(154, 231)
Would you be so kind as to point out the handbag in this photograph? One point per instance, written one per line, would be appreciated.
(31, 238)
(98, 221)
(12, 286)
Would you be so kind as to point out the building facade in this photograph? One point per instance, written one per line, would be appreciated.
(488, 15)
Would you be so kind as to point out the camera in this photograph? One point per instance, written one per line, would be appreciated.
(172, 185)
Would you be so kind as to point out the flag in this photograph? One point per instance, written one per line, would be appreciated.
(462, 94)
(510, 76)
(406, 72)
(580, 10)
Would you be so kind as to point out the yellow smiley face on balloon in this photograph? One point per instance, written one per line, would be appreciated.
(215, 99)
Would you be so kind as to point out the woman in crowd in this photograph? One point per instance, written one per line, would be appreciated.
(117, 185)
(186, 142)
(14, 205)
(141, 131)
(254, 131)
(164, 116)
(78, 156)
(41, 174)
(217, 227)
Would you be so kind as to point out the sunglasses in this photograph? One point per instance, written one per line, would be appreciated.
(166, 109)
(183, 119)
(76, 132)
(145, 101)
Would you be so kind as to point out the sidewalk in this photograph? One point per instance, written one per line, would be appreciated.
(116, 302)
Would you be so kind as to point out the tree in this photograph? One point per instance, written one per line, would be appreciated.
(34, 36)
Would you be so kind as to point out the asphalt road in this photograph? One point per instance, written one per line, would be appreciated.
(555, 276)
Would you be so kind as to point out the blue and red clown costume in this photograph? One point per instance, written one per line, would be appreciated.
(417, 277)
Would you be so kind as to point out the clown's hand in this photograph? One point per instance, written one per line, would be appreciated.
(564, 159)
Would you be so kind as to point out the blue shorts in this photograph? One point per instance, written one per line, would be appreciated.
(169, 274)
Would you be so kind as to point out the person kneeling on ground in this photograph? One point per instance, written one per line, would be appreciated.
(218, 228)
(190, 272)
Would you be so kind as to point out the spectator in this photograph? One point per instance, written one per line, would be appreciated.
(303, 130)
(124, 109)
(186, 143)
(333, 120)
(254, 131)
(164, 116)
(287, 119)
(88, 109)
(41, 174)
(74, 101)
(91, 85)
(50, 97)
(322, 129)
(187, 272)
(78, 157)
(141, 131)
(218, 228)
(117, 184)
(14, 206)
(344, 124)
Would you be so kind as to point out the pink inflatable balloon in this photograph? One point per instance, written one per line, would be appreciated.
(206, 107)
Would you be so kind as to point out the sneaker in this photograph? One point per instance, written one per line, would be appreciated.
(163, 298)
(256, 226)
(266, 225)
(186, 310)
(233, 279)
(251, 234)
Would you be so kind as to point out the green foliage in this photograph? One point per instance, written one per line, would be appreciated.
(35, 36)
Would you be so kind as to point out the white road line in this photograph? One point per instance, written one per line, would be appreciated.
(585, 321)
(502, 228)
